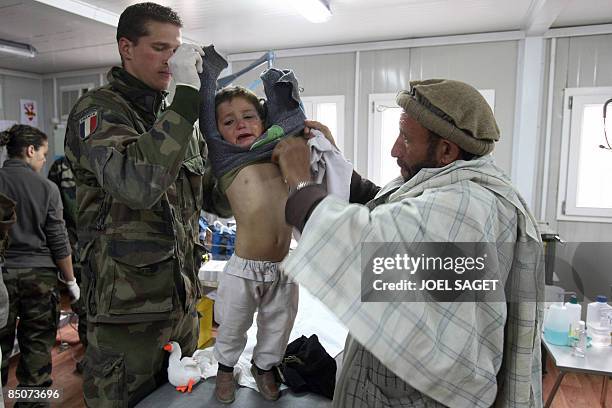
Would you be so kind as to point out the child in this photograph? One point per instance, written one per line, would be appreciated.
(252, 279)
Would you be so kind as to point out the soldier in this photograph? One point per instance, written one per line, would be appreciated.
(39, 246)
(139, 167)
(7, 218)
(61, 174)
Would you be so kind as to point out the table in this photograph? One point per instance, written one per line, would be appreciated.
(203, 396)
(312, 317)
(597, 360)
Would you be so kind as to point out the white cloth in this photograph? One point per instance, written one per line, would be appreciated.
(4, 300)
(460, 354)
(1, 397)
(328, 165)
(3, 155)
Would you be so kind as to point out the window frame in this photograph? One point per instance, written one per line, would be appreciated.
(374, 128)
(573, 100)
(340, 106)
(67, 88)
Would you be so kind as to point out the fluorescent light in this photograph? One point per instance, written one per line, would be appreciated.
(15, 48)
(316, 11)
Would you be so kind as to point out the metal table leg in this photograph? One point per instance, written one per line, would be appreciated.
(604, 391)
(554, 389)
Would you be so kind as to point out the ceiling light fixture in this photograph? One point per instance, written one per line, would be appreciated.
(15, 48)
(316, 11)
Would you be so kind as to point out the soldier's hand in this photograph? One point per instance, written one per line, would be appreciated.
(185, 65)
(75, 291)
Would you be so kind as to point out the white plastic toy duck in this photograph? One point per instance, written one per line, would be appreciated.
(183, 373)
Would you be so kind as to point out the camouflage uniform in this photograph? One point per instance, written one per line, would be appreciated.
(7, 218)
(61, 174)
(34, 297)
(141, 182)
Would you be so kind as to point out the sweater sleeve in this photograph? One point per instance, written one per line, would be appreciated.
(362, 190)
(302, 203)
(55, 227)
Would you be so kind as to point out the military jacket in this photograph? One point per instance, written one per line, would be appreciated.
(141, 182)
(7, 218)
(60, 173)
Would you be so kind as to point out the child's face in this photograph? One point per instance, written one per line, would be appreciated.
(238, 122)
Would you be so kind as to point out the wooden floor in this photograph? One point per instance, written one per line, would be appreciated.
(65, 354)
(576, 391)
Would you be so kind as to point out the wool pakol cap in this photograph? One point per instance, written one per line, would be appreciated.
(455, 111)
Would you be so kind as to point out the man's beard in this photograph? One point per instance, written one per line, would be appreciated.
(429, 162)
(415, 168)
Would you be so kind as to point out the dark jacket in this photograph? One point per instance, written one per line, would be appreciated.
(39, 237)
(7, 219)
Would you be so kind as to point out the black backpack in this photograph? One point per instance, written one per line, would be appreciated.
(307, 367)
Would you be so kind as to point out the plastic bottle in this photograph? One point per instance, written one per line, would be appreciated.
(581, 344)
(556, 329)
(598, 323)
(574, 311)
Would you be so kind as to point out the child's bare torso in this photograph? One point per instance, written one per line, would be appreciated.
(258, 195)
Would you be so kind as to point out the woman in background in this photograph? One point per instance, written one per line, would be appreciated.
(38, 247)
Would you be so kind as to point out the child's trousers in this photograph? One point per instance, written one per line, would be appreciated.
(247, 286)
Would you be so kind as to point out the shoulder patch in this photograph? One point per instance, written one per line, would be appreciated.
(88, 124)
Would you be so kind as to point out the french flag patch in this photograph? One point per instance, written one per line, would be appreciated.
(88, 124)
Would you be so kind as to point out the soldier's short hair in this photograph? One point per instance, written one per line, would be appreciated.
(228, 93)
(19, 137)
(133, 21)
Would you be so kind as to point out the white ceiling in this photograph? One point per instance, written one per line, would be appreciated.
(74, 35)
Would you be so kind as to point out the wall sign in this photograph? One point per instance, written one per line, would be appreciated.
(29, 112)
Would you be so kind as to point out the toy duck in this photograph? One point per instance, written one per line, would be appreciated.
(183, 373)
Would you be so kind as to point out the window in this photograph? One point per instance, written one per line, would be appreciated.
(59, 133)
(69, 95)
(383, 130)
(329, 110)
(585, 168)
(384, 119)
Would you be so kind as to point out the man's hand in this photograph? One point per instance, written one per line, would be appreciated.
(185, 65)
(293, 157)
(313, 124)
(75, 291)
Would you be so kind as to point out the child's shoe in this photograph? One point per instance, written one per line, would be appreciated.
(266, 382)
(225, 387)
